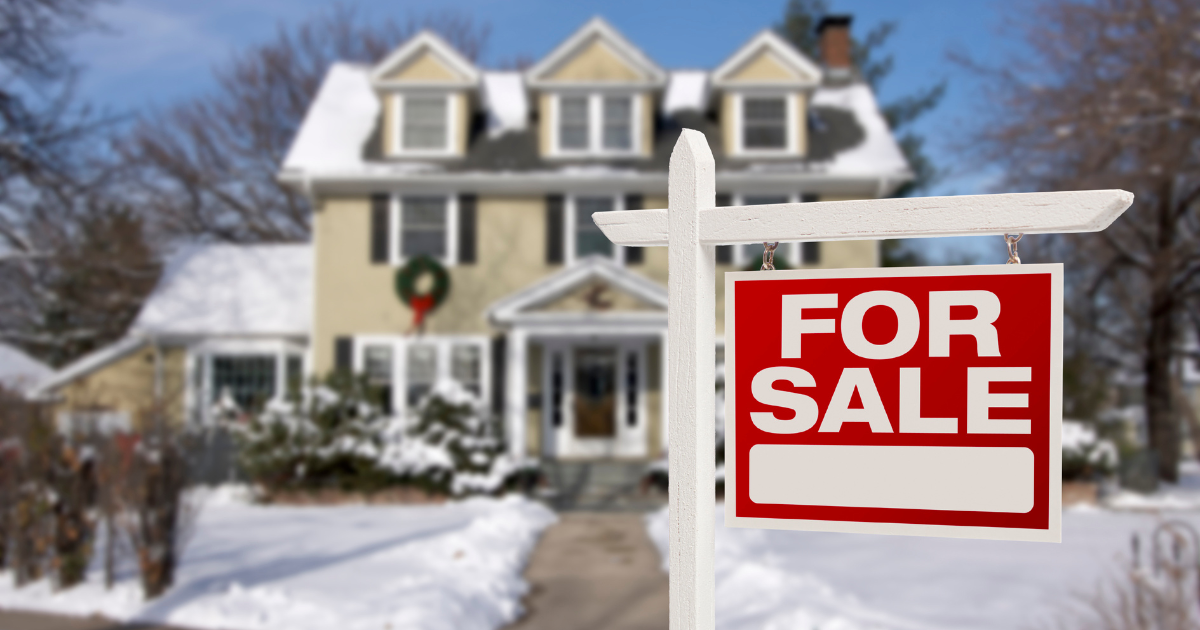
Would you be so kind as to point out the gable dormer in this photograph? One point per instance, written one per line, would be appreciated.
(595, 96)
(426, 88)
(764, 89)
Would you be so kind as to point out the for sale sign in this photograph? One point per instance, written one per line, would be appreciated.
(921, 401)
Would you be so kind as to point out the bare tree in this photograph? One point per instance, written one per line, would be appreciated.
(1106, 94)
(209, 165)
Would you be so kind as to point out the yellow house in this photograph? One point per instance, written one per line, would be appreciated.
(495, 175)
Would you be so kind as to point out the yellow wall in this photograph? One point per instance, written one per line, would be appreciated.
(354, 296)
(545, 124)
(127, 385)
(463, 108)
(801, 123)
(728, 125)
(425, 67)
(764, 66)
(647, 139)
(596, 62)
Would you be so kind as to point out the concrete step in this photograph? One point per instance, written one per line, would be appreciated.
(598, 485)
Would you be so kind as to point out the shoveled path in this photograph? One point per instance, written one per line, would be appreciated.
(18, 620)
(595, 570)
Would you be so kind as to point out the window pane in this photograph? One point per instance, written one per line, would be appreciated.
(425, 122)
(764, 123)
(618, 122)
(588, 237)
(465, 367)
(573, 122)
(422, 372)
(423, 226)
(248, 380)
(294, 375)
(377, 365)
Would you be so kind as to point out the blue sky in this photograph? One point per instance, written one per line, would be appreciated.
(151, 53)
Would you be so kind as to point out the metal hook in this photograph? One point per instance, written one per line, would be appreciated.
(769, 256)
(1011, 241)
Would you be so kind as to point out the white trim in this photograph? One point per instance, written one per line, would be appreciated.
(199, 403)
(397, 139)
(509, 308)
(396, 226)
(595, 28)
(791, 122)
(443, 346)
(424, 40)
(810, 74)
(595, 146)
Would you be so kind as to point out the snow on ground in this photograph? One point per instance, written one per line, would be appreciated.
(454, 566)
(780, 579)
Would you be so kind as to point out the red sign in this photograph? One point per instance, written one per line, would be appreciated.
(922, 401)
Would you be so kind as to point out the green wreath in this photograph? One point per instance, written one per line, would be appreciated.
(406, 284)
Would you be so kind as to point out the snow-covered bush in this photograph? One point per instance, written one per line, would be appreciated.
(337, 438)
(331, 438)
(1084, 453)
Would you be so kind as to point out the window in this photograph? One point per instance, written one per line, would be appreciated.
(466, 367)
(423, 226)
(421, 368)
(294, 367)
(248, 380)
(596, 124)
(377, 365)
(764, 123)
(424, 124)
(573, 122)
(588, 237)
(618, 123)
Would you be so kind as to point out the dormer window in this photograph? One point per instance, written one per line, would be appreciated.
(595, 124)
(425, 124)
(764, 123)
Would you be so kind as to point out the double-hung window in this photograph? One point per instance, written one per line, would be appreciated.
(422, 124)
(596, 124)
(764, 123)
(588, 237)
(246, 380)
(424, 224)
(421, 372)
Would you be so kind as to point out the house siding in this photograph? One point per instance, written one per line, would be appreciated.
(127, 385)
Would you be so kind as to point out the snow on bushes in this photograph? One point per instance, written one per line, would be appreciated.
(337, 438)
(1084, 453)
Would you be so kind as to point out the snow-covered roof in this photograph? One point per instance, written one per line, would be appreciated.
(338, 123)
(878, 153)
(506, 102)
(19, 371)
(223, 289)
(686, 89)
(88, 363)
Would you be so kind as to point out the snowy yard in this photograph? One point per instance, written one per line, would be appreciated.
(779, 579)
(456, 566)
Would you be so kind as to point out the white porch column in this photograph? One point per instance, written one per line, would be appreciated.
(691, 320)
(514, 394)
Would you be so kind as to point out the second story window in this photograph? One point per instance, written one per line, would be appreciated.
(618, 123)
(422, 124)
(596, 124)
(588, 237)
(573, 128)
(423, 226)
(764, 123)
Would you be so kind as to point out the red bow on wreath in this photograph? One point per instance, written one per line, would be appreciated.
(422, 303)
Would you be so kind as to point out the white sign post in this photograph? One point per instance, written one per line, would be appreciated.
(692, 226)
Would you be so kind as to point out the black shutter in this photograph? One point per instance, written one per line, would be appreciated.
(634, 255)
(467, 205)
(554, 229)
(724, 252)
(810, 253)
(499, 361)
(379, 228)
(343, 354)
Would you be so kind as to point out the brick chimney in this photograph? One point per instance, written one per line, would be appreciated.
(834, 31)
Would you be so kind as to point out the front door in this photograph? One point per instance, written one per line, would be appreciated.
(595, 392)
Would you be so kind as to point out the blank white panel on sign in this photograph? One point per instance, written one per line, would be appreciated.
(958, 478)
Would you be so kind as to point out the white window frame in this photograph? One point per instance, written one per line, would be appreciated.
(790, 250)
(396, 219)
(198, 403)
(452, 131)
(595, 146)
(443, 345)
(791, 100)
(569, 225)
